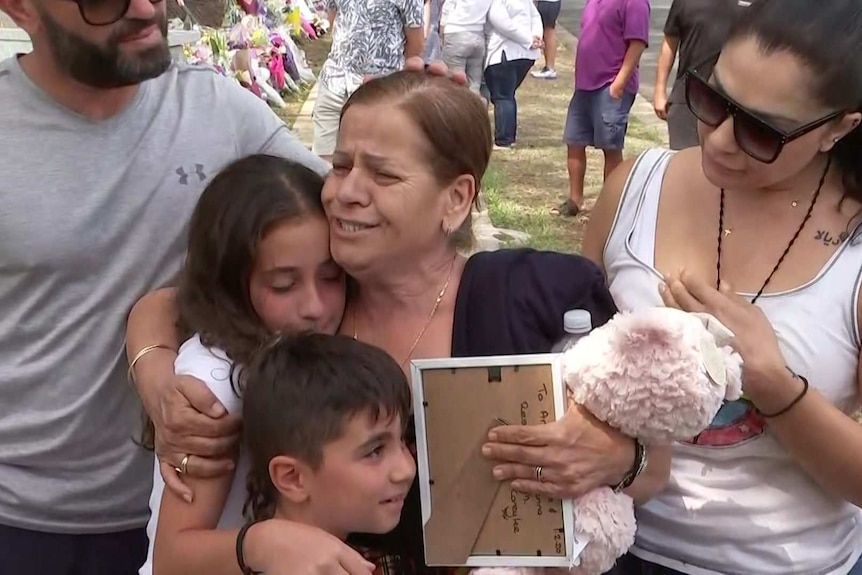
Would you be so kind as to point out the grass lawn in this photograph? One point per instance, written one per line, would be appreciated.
(524, 184)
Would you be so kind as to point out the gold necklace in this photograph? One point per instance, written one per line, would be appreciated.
(427, 322)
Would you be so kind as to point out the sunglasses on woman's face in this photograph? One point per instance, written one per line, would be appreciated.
(754, 136)
(104, 12)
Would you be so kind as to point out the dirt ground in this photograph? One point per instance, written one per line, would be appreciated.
(316, 52)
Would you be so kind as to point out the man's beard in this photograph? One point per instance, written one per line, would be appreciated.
(107, 66)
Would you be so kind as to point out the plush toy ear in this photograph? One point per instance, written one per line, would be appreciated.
(722, 334)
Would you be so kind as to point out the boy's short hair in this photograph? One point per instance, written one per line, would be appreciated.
(300, 393)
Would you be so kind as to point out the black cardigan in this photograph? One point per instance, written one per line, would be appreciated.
(508, 302)
(513, 301)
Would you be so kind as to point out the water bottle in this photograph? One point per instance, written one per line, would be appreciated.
(576, 323)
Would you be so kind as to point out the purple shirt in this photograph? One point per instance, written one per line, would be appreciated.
(607, 26)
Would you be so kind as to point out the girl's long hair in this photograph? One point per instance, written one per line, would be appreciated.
(236, 210)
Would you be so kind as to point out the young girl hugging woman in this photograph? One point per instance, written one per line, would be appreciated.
(258, 264)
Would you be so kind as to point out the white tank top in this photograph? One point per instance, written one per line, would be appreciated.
(737, 503)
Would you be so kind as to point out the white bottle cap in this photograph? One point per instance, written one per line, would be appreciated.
(577, 321)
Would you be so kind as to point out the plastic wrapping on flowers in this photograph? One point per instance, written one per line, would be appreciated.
(258, 47)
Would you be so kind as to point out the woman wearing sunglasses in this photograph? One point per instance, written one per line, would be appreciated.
(758, 226)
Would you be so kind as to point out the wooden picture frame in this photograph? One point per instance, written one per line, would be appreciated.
(469, 518)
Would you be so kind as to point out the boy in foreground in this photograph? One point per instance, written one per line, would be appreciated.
(324, 420)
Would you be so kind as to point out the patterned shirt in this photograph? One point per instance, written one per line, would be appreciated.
(368, 40)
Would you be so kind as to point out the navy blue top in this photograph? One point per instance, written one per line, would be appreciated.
(513, 301)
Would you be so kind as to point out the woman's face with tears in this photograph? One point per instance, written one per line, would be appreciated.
(382, 198)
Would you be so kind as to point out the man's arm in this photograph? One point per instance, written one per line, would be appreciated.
(412, 15)
(636, 34)
(666, 58)
(632, 58)
(414, 42)
(669, 46)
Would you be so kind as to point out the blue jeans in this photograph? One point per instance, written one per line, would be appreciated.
(503, 80)
(631, 565)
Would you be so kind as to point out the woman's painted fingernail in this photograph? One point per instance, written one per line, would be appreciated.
(492, 436)
(498, 473)
(486, 450)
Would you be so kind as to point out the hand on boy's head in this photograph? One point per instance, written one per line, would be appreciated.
(191, 422)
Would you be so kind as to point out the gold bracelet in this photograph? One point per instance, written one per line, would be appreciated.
(139, 355)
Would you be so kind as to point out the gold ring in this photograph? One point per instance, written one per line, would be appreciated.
(539, 477)
(184, 465)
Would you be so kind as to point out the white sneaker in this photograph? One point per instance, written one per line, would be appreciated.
(545, 74)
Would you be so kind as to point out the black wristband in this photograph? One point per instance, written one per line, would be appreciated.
(793, 403)
(240, 540)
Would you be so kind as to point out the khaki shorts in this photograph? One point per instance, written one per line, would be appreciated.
(325, 117)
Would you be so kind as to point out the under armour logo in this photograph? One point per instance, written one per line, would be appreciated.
(184, 177)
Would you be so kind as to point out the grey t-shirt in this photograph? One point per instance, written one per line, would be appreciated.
(93, 215)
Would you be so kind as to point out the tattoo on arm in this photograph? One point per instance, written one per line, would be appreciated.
(830, 240)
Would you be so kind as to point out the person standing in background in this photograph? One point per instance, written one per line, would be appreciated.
(549, 10)
(695, 29)
(369, 39)
(614, 35)
(463, 25)
(514, 39)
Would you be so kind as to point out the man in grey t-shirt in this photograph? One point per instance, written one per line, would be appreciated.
(106, 146)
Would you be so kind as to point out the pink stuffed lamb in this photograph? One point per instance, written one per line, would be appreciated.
(658, 374)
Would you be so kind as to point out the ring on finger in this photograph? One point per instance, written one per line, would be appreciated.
(184, 465)
(539, 476)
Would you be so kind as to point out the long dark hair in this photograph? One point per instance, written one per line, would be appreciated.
(235, 211)
(827, 36)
